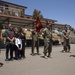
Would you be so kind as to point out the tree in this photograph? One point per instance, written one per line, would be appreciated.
(37, 13)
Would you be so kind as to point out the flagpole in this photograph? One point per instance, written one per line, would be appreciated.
(51, 30)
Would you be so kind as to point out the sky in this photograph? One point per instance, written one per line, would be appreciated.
(61, 10)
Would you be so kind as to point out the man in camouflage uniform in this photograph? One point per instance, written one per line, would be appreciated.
(35, 42)
(66, 43)
(47, 41)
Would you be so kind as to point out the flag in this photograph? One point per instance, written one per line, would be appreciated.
(38, 24)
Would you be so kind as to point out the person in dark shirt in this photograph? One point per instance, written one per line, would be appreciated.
(9, 33)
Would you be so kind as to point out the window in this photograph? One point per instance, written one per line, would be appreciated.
(1, 4)
(16, 12)
(1, 10)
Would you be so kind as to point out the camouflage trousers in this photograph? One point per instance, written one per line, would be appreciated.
(66, 46)
(47, 48)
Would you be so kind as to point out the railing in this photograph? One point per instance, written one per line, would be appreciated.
(10, 11)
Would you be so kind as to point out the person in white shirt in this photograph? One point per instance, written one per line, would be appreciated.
(18, 46)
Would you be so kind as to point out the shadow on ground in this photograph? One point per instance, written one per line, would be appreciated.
(1, 64)
(72, 55)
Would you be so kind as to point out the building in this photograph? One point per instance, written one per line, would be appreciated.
(15, 14)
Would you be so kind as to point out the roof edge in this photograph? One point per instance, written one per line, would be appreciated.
(14, 4)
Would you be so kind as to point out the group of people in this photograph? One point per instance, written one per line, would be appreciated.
(47, 35)
(48, 42)
(16, 42)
